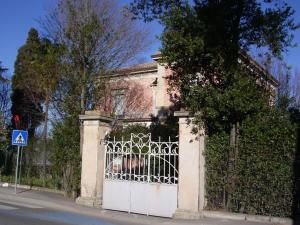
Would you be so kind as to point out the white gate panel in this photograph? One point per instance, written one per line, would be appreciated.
(116, 195)
(139, 198)
(162, 200)
(142, 198)
(153, 199)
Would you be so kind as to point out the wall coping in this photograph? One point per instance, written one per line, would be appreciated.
(186, 114)
(182, 114)
(96, 115)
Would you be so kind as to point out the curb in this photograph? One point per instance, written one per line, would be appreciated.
(247, 217)
(34, 188)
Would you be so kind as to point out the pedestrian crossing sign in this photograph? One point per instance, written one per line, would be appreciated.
(19, 137)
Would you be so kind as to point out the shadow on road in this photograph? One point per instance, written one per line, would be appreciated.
(22, 191)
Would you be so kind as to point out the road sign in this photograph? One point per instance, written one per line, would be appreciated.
(19, 137)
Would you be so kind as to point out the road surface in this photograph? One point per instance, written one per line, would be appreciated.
(41, 208)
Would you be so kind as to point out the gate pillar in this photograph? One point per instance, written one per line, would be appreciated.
(191, 180)
(95, 128)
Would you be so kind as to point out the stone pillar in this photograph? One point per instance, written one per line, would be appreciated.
(191, 180)
(95, 128)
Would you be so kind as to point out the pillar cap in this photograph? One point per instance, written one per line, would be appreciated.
(182, 114)
(95, 115)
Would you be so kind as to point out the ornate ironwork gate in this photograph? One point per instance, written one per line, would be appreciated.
(141, 176)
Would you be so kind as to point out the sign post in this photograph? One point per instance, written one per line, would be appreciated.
(19, 138)
(20, 172)
(17, 168)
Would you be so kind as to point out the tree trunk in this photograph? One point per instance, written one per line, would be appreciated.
(30, 155)
(232, 158)
(67, 180)
(82, 106)
(237, 137)
(45, 137)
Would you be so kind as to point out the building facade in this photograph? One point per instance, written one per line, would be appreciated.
(140, 92)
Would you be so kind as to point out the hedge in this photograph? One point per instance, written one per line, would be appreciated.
(264, 171)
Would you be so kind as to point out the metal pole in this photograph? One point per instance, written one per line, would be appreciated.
(17, 167)
(20, 165)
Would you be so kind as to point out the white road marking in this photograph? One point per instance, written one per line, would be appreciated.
(30, 206)
(5, 207)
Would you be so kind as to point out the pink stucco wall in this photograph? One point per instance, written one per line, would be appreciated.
(138, 95)
(142, 98)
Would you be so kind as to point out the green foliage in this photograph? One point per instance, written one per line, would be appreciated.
(5, 146)
(3, 135)
(264, 167)
(66, 154)
(125, 132)
(32, 181)
(26, 100)
(46, 69)
(4, 117)
(35, 79)
(195, 41)
(34, 82)
(250, 148)
(149, 10)
(2, 70)
(222, 106)
(239, 24)
(165, 131)
(216, 155)
(158, 130)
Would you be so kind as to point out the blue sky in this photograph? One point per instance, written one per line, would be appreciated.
(18, 16)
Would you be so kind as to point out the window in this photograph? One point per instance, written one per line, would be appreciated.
(119, 102)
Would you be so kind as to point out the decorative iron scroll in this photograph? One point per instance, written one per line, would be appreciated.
(141, 159)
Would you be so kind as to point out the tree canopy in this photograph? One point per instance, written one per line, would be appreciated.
(4, 94)
(202, 42)
(227, 25)
(206, 44)
(4, 107)
(96, 37)
(27, 100)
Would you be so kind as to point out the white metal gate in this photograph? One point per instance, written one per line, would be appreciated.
(141, 176)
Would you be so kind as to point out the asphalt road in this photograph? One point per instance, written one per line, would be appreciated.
(16, 213)
(43, 208)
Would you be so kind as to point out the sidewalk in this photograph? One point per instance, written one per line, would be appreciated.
(56, 201)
